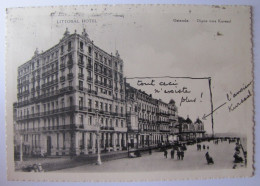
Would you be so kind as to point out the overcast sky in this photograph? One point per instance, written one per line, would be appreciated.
(151, 44)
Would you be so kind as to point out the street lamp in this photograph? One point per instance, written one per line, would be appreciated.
(21, 148)
(98, 139)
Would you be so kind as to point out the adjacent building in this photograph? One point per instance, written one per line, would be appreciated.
(150, 121)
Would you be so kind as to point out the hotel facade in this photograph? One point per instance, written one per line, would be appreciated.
(74, 92)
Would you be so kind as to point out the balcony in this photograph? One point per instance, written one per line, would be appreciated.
(66, 89)
(81, 63)
(62, 66)
(89, 79)
(106, 128)
(33, 89)
(89, 66)
(70, 76)
(81, 76)
(62, 78)
(70, 63)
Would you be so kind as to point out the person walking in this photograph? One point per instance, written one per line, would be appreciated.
(172, 153)
(150, 151)
(178, 153)
(165, 153)
(182, 154)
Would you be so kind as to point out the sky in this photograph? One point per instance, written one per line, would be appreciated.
(152, 44)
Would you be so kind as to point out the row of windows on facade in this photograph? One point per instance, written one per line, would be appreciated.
(49, 123)
(50, 90)
(54, 55)
(36, 140)
(99, 56)
(55, 76)
(55, 105)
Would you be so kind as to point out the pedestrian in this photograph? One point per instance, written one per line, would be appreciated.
(165, 153)
(150, 151)
(172, 153)
(204, 147)
(178, 153)
(208, 147)
(182, 155)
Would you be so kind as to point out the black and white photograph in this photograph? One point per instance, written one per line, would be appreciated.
(129, 92)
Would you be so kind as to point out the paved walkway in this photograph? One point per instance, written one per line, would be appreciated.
(222, 154)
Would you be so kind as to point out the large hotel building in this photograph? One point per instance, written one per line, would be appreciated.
(75, 91)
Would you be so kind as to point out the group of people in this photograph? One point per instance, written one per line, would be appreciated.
(238, 158)
(179, 152)
(203, 146)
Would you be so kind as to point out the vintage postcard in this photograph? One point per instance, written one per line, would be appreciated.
(129, 93)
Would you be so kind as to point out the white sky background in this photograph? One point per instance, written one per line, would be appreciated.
(151, 45)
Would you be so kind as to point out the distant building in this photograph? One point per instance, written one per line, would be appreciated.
(150, 121)
(189, 130)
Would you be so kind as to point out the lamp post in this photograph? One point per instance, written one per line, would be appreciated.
(98, 139)
(21, 148)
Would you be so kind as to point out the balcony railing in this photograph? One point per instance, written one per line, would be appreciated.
(62, 66)
(70, 63)
(89, 67)
(89, 78)
(81, 63)
(62, 78)
(70, 76)
(81, 76)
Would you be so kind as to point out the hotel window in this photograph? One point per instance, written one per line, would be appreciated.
(80, 102)
(106, 107)
(106, 122)
(122, 123)
(90, 120)
(89, 61)
(71, 101)
(89, 103)
(69, 45)
(80, 85)
(81, 45)
(89, 87)
(81, 119)
(62, 103)
(101, 106)
(89, 50)
(96, 104)
(80, 70)
(116, 123)
(110, 107)
(62, 49)
(81, 58)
